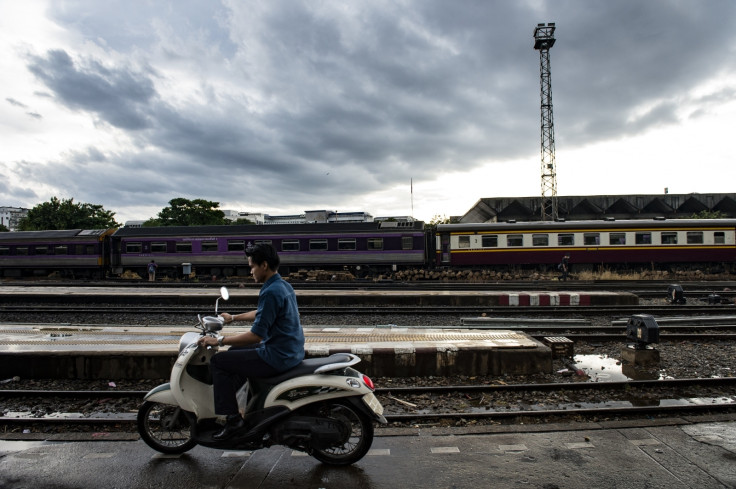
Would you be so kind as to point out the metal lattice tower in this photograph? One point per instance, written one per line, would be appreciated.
(543, 41)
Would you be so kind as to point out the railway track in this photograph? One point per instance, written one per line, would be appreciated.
(457, 403)
(656, 310)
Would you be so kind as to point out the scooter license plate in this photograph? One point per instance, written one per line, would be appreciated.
(372, 402)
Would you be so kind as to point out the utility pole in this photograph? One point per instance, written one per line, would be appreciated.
(543, 40)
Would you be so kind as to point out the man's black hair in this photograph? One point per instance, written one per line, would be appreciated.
(264, 252)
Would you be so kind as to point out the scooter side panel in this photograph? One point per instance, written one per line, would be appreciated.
(300, 391)
(191, 394)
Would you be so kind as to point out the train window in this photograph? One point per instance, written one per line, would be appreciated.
(346, 244)
(540, 240)
(643, 238)
(317, 245)
(21, 250)
(290, 245)
(514, 240)
(184, 247)
(40, 250)
(90, 250)
(262, 241)
(375, 243)
(61, 250)
(719, 237)
(236, 245)
(669, 237)
(4, 250)
(617, 238)
(463, 241)
(209, 246)
(407, 243)
(158, 247)
(490, 241)
(591, 239)
(695, 237)
(567, 239)
(133, 247)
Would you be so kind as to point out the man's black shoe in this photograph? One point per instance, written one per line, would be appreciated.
(234, 423)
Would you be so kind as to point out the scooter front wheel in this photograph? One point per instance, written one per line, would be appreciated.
(165, 428)
(358, 434)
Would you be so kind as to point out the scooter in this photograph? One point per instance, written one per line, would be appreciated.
(322, 407)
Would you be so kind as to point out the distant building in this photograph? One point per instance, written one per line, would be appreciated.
(9, 216)
(319, 216)
(395, 218)
(592, 207)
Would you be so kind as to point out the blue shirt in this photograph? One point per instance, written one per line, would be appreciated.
(277, 322)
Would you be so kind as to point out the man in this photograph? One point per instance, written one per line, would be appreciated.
(274, 344)
(152, 271)
(564, 267)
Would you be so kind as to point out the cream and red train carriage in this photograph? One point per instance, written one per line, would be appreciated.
(610, 243)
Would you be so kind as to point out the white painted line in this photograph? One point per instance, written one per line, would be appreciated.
(512, 448)
(647, 441)
(382, 452)
(236, 454)
(445, 450)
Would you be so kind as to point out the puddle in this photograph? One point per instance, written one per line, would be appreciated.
(602, 368)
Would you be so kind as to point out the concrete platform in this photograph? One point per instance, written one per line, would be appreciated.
(307, 297)
(138, 352)
(675, 455)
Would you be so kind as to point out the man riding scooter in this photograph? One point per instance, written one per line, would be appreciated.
(274, 344)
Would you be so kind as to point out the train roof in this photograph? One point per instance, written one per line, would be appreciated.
(52, 234)
(261, 229)
(554, 226)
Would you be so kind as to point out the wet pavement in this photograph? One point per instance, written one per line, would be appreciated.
(687, 455)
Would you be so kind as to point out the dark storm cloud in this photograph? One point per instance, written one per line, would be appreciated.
(14, 102)
(369, 93)
(115, 95)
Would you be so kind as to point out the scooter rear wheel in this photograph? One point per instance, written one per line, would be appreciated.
(165, 428)
(358, 434)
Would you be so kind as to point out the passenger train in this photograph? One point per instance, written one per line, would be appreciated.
(369, 249)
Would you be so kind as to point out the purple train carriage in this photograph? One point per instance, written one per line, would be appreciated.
(365, 247)
(73, 253)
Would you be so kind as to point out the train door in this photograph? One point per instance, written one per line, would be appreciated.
(443, 246)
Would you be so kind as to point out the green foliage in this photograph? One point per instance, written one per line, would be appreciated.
(185, 212)
(438, 219)
(65, 214)
(708, 215)
(241, 220)
(4, 228)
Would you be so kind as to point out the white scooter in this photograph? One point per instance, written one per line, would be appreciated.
(322, 406)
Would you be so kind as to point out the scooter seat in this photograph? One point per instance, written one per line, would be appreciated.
(307, 367)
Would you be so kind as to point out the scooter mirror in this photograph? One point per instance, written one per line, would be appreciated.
(224, 293)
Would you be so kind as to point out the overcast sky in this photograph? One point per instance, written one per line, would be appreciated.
(281, 106)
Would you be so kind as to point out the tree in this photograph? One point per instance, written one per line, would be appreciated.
(4, 228)
(65, 214)
(185, 212)
(708, 215)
